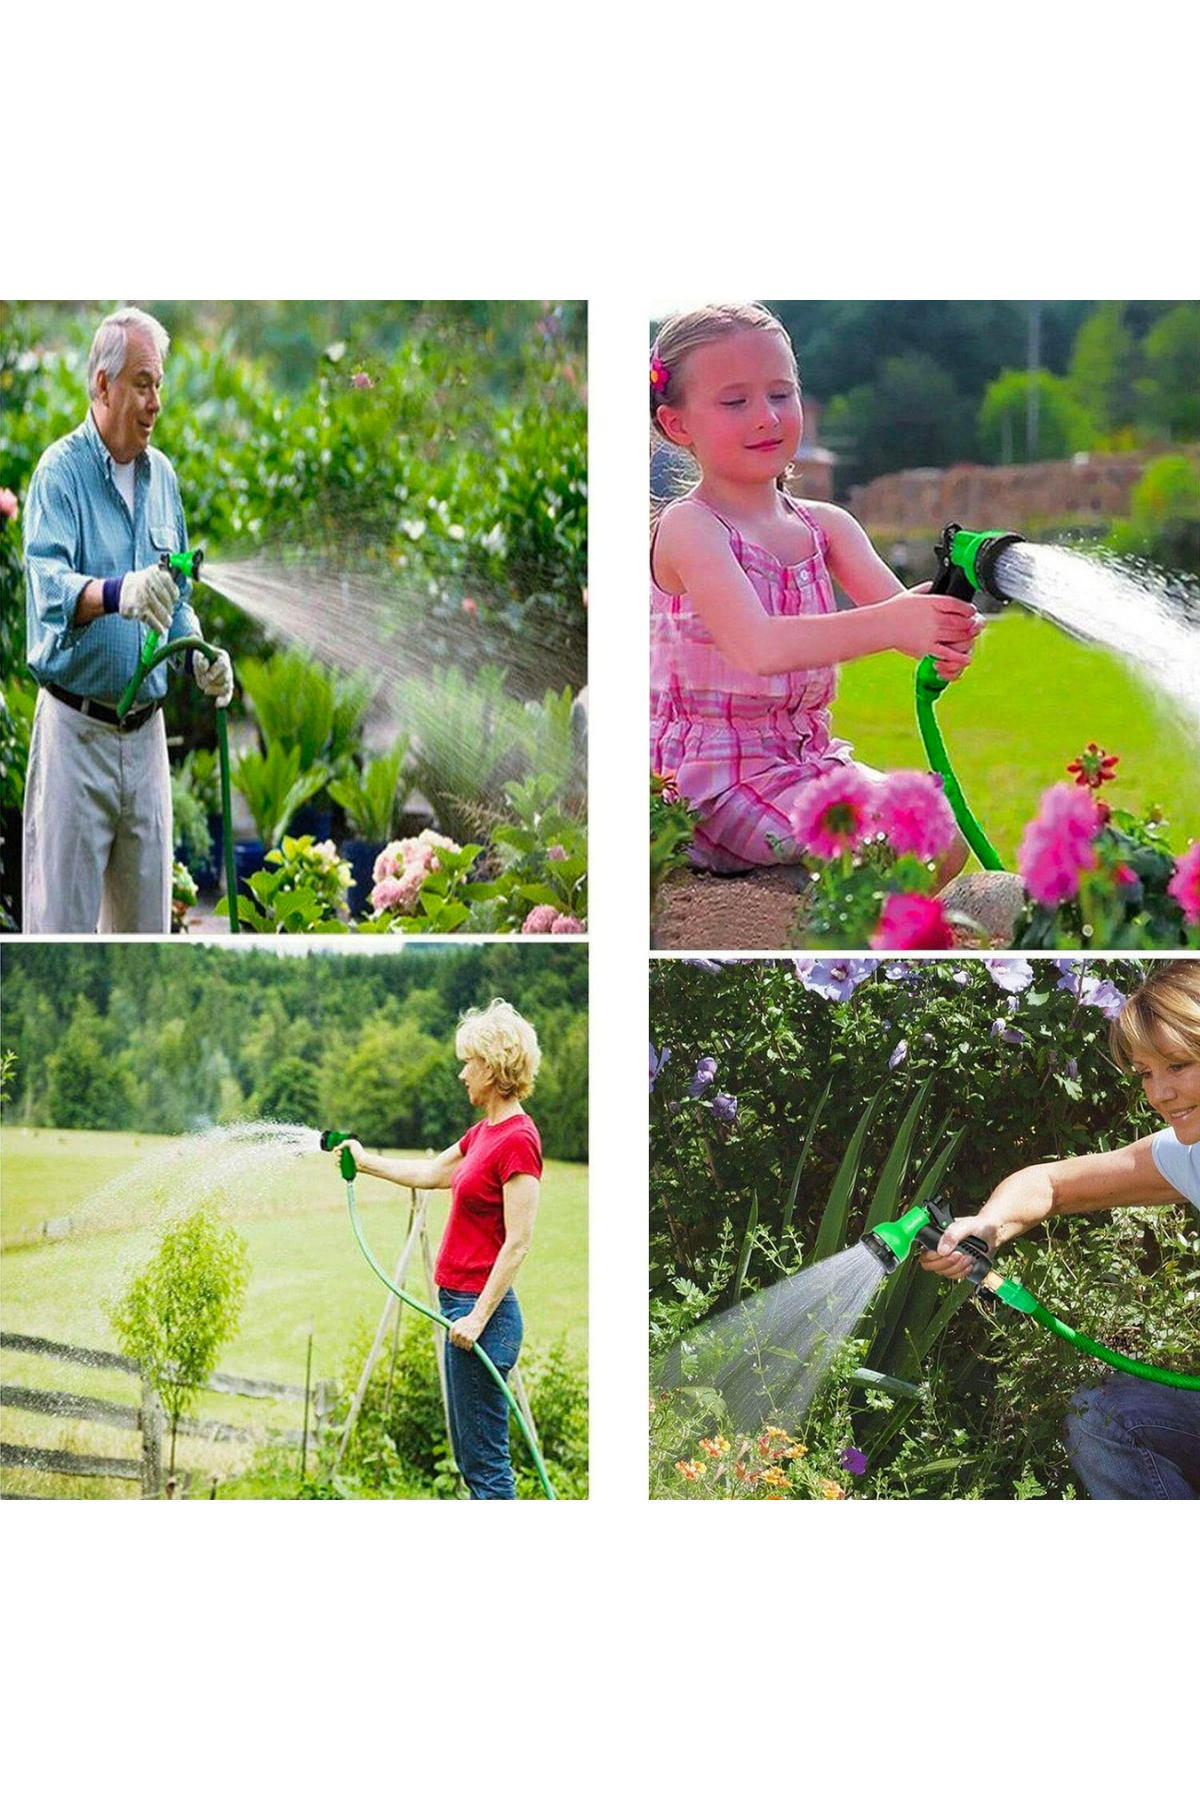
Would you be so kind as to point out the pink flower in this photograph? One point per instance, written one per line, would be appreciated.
(541, 919)
(834, 813)
(914, 815)
(555, 853)
(8, 504)
(1058, 845)
(567, 923)
(360, 379)
(912, 922)
(1184, 885)
(470, 607)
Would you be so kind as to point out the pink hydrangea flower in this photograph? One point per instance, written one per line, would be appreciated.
(1184, 885)
(567, 923)
(400, 869)
(541, 919)
(913, 922)
(1059, 845)
(834, 813)
(914, 815)
(8, 504)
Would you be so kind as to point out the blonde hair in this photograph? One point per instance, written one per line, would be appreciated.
(505, 1043)
(1162, 1018)
(682, 333)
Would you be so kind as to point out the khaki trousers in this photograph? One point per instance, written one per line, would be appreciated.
(98, 832)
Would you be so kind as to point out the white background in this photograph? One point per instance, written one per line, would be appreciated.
(685, 154)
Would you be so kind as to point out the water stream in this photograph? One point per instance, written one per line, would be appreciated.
(1146, 616)
(768, 1355)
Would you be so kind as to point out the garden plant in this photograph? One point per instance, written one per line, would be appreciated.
(796, 1104)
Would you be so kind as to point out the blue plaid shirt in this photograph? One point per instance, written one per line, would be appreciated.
(78, 529)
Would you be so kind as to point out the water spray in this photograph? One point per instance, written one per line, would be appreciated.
(335, 1140)
(185, 565)
(923, 1226)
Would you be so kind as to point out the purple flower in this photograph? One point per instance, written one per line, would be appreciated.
(961, 977)
(725, 1108)
(901, 971)
(1103, 994)
(1071, 970)
(1073, 1069)
(853, 1461)
(898, 1054)
(1009, 1033)
(658, 1062)
(706, 1069)
(1012, 973)
(833, 980)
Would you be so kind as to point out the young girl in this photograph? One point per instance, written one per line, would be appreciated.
(744, 631)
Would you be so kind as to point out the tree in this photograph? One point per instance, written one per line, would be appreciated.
(1170, 392)
(1104, 367)
(1063, 425)
(176, 1313)
(289, 1090)
(87, 1088)
(912, 416)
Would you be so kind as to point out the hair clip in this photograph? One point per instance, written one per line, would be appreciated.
(659, 374)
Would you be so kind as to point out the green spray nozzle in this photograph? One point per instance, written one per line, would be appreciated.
(184, 565)
(331, 1140)
(967, 563)
(923, 1225)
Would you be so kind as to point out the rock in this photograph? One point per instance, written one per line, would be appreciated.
(993, 898)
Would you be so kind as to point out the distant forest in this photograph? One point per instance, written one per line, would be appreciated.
(928, 383)
(167, 1038)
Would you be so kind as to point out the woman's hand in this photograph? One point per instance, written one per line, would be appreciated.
(924, 624)
(356, 1150)
(465, 1332)
(952, 1263)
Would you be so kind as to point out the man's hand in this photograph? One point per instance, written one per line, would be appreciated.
(149, 596)
(214, 678)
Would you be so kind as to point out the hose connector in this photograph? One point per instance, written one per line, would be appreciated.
(184, 565)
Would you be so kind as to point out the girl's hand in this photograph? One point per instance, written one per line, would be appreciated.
(465, 1331)
(948, 1261)
(924, 624)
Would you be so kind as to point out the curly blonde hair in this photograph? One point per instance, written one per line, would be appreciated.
(505, 1043)
(1161, 1018)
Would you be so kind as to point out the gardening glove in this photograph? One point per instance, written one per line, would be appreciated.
(214, 678)
(149, 596)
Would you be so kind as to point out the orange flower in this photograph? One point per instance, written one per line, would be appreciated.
(691, 1471)
(831, 1491)
(775, 1478)
(714, 1447)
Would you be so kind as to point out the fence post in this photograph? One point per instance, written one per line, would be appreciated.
(150, 1423)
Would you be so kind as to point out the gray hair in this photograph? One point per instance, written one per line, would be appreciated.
(110, 343)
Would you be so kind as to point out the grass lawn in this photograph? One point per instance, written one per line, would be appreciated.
(306, 1271)
(1025, 708)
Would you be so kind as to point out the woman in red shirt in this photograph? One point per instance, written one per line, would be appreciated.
(493, 1172)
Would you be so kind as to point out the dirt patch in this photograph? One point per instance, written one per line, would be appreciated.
(727, 912)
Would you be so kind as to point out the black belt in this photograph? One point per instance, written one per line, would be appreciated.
(106, 715)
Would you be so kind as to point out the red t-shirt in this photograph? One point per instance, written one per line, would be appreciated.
(492, 1155)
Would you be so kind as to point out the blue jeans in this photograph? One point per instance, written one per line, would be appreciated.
(478, 1411)
(1131, 1439)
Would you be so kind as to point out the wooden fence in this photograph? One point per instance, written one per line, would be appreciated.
(145, 1419)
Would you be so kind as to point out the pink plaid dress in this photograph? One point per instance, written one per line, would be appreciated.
(741, 746)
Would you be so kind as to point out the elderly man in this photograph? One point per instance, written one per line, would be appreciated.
(102, 508)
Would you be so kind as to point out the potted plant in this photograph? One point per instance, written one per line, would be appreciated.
(274, 788)
(370, 798)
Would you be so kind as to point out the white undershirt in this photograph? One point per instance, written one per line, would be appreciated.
(125, 478)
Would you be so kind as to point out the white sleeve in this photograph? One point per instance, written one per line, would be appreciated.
(1177, 1163)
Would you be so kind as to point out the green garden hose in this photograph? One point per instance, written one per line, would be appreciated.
(172, 648)
(922, 1226)
(929, 688)
(349, 1171)
(1014, 1294)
